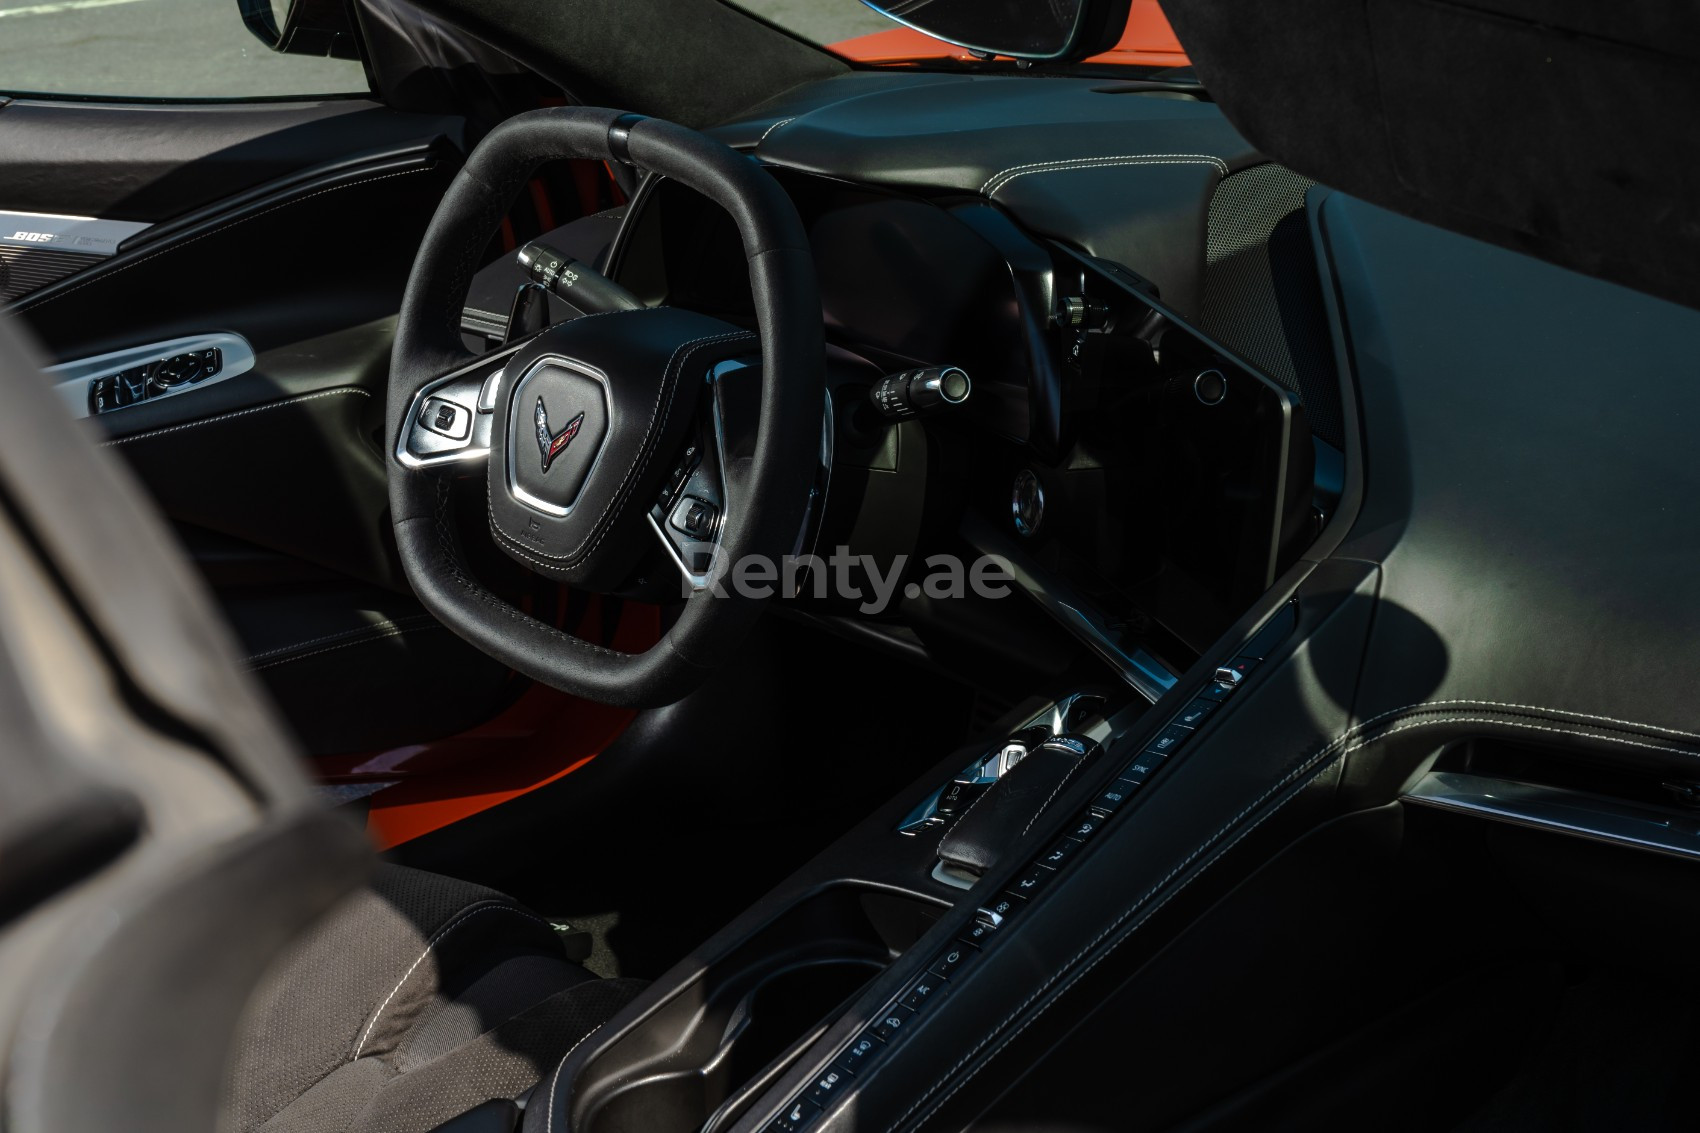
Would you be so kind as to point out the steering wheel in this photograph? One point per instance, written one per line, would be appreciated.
(603, 434)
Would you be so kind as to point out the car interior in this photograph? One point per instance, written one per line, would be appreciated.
(625, 570)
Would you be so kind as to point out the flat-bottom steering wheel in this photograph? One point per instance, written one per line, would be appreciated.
(590, 430)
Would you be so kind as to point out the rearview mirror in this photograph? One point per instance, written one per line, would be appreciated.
(1047, 30)
(302, 27)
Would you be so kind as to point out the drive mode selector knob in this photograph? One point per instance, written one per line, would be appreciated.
(914, 392)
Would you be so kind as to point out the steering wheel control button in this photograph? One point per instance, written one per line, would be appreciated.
(446, 418)
(695, 518)
(688, 461)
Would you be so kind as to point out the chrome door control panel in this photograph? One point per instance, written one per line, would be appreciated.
(107, 382)
(150, 379)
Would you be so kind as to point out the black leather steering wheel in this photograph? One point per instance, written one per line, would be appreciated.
(583, 426)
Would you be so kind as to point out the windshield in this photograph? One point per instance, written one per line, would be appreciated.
(858, 33)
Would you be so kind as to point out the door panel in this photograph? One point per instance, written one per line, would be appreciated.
(293, 228)
(154, 161)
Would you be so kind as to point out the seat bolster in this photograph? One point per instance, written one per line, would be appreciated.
(354, 984)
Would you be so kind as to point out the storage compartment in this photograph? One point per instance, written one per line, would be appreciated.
(696, 1061)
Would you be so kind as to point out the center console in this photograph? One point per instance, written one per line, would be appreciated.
(807, 976)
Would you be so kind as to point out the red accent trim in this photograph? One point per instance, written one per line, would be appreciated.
(614, 191)
(543, 736)
(587, 179)
(540, 202)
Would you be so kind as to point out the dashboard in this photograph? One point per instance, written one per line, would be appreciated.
(1146, 482)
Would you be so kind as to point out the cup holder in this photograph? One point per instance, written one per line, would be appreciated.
(697, 1060)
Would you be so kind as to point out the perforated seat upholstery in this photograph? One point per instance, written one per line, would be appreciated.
(417, 999)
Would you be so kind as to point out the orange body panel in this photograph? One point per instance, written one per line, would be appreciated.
(1147, 41)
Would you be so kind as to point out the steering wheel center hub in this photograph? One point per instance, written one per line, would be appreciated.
(563, 406)
(592, 414)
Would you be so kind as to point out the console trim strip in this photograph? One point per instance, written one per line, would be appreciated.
(1559, 810)
(61, 232)
(1140, 670)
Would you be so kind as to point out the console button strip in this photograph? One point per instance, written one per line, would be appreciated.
(950, 962)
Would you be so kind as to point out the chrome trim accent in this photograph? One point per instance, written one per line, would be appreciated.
(487, 392)
(88, 234)
(1144, 673)
(807, 535)
(71, 379)
(936, 384)
(1003, 756)
(515, 405)
(1025, 481)
(1561, 811)
(944, 873)
(448, 452)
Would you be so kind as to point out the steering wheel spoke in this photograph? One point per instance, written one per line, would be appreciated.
(451, 418)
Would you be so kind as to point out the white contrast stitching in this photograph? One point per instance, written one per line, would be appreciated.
(555, 1079)
(398, 631)
(382, 623)
(983, 796)
(232, 416)
(174, 245)
(1004, 177)
(1517, 724)
(772, 128)
(1314, 765)
(1078, 764)
(434, 941)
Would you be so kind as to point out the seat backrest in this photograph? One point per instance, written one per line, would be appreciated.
(158, 839)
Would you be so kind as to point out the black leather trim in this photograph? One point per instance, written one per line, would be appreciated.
(1000, 820)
